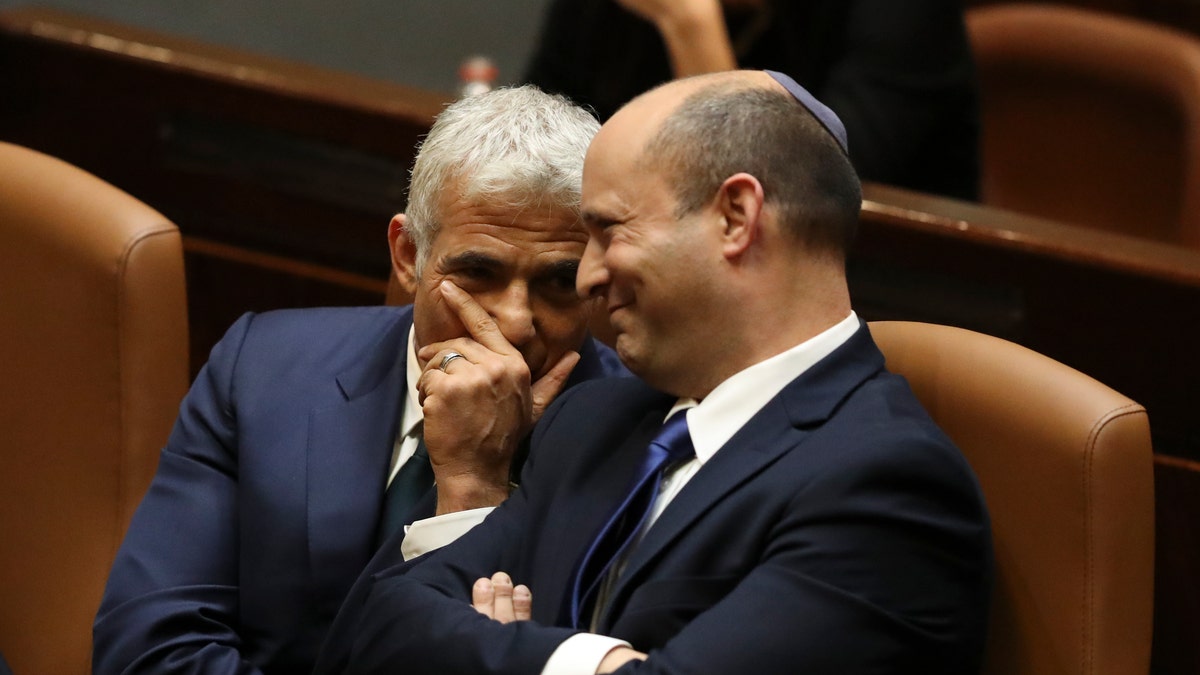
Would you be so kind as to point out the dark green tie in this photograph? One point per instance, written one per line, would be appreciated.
(411, 483)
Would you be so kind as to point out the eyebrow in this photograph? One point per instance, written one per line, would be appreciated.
(471, 259)
(565, 266)
(592, 217)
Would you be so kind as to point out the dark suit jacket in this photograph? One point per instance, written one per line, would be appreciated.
(839, 531)
(267, 497)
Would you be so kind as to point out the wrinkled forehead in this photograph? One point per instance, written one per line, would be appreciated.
(507, 216)
(496, 191)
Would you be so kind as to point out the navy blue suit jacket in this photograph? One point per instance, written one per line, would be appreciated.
(265, 505)
(839, 531)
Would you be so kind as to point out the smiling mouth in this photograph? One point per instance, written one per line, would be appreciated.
(612, 309)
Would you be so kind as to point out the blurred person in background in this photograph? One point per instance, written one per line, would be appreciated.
(899, 74)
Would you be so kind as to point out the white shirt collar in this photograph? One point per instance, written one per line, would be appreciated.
(411, 415)
(727, 408)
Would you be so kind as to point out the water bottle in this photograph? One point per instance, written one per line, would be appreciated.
(476, 75)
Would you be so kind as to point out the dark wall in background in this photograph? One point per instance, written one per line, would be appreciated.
(414, 42)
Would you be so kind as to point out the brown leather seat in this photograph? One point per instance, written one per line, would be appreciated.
(1066, 468)
(1090, 118)
(93, 338)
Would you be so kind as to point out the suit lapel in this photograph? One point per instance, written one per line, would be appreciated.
(350, 448)
(768, 436)
(591, 501)
(782, 425)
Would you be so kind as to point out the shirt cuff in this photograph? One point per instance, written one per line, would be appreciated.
(433, 533)
(581, 654)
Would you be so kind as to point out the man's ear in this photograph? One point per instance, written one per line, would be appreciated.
(740, 202)
(404, 254)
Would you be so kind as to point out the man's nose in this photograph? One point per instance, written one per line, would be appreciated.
(592, 276)
(513, 312)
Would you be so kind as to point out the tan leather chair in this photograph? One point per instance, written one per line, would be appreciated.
(1066, 468)
(1090, 118)
(93, 364)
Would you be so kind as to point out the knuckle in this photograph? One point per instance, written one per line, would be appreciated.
(481, 324)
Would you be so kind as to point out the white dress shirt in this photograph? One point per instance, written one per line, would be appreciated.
(711, 423)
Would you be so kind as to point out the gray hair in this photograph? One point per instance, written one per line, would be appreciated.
(518, 147)
(727, 128)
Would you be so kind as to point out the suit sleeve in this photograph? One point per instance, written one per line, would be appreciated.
(172, 596)
(452, 636)
(871, 569)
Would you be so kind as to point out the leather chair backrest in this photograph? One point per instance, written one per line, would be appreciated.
(93, 365)
(1089, 118)
(1066, 468)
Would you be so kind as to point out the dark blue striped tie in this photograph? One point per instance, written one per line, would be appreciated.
(672, 445)
(409, 485)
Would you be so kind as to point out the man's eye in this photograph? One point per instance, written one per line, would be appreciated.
(599, 225)
(476, 273)
(563, 282)
(559, 286)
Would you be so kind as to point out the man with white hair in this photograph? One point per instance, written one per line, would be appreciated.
(312, 435)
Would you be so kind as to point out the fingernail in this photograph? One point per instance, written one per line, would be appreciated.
(483, 584)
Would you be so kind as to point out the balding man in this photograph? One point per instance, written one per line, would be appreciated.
(768, 498)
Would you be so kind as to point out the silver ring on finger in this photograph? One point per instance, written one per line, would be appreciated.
(447, 359)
